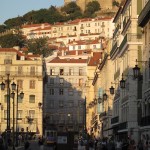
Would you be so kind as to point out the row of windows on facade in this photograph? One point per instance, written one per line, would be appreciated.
(32, 84)
(64, 104)
(63, 72)
(31, 114)
(32, 69)
(68, 116)
(20, 100)
(61, 91)
(83, 25)
(69, 81)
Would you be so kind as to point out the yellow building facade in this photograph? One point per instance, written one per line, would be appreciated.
(26, 72)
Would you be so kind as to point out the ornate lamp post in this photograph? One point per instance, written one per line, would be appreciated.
(12, 94)
(8, 130)
(21, 95)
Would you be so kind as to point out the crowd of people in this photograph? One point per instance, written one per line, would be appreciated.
(104, 144)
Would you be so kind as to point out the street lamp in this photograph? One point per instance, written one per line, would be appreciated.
(13, 97)
(21, 95)
(8, 130)
(12, 94)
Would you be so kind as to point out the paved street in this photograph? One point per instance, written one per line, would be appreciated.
(34, 146)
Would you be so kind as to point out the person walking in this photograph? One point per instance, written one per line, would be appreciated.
(41, 143)
(140, 145)
(27, 145)
(2, 147)
(118, 145)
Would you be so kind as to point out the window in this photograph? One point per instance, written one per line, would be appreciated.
(32, 70)
(80, 71)
(61, 117)
(5, 98)
(31, 98)
(20, 100)
(5, 114)
(61, 81)
(61, 71)
(32, 84)
(70, 92)
(51, 103)
(20, 84)
(74, 47)
(51, 91)
(70, 104)
(80, 82)
(61, 91)
(7, 61)
(31, 113)
(51, 118)
(20, 114)
(51, 80)
(61, 103)
(20, 70)
(94, 46)
(52, 71)
(70, 71)
(79, 47)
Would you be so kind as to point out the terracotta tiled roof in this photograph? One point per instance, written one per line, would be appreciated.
(94, 61)
(17, 52)
(11, 50)
(58, 60)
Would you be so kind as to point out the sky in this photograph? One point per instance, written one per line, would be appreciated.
(14, 8)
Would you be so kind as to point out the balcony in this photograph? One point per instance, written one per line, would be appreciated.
(116, 30)
(123, 126)
(21, 74)
(134, 39)
(61, 122)
(115, 120)
(145, 121)
(7, 61)
(114, 49)
(103, 114)
(126, 23)
(144, 15)
(117, 74)
(67, 74)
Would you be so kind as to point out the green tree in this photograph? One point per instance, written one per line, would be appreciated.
(39, 46)
(11, 40)
(91, 8)
(11, 23)
(115, 3)
(3, 28)
(72, 11)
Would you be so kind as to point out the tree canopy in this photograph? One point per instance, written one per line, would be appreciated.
(91, 8)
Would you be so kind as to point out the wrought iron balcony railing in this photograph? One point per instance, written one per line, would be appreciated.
(115, 120)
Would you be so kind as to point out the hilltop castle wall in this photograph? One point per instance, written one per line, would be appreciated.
(105, 4)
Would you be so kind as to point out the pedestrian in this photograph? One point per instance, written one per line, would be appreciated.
(118, 145)
(140, 145)
(27, 145)
(132, 145)
(2, 147)
(146, 146)
(91, 144)
(41, 142)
